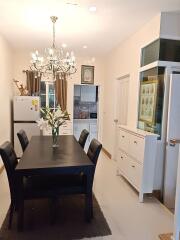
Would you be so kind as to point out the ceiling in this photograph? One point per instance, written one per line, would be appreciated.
(26, 23)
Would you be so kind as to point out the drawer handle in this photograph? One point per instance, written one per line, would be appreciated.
(135, 142)
(132, 166)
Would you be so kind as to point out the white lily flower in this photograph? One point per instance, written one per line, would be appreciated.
(42, 124)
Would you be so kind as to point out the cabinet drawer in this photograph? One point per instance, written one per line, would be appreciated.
(135, 173)
(136, 147)
(123, 140)
(122, 162)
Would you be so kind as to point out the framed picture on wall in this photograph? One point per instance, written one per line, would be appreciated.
(87, 74)
(148, 94)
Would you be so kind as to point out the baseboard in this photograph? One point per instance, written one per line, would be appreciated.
(107, 153)
(1, 169)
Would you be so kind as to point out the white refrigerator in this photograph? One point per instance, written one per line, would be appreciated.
(26, 110)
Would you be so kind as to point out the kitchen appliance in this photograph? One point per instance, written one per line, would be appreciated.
(26, 111)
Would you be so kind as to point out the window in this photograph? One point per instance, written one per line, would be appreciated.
(47, 95)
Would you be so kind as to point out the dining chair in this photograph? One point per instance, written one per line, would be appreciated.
(23, 139)
(33, 187)
(83, 137)
(76, 183)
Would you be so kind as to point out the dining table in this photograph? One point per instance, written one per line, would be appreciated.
(41, 159)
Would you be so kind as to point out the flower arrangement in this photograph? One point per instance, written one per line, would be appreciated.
(53, 119)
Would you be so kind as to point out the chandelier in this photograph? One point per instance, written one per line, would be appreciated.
(54, 61)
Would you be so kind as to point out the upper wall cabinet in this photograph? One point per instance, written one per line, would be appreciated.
(161, 50)
(88, 93)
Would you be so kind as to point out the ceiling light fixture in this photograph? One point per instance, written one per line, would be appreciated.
(84, 46)
(64, 45)
(92, 8)
(54, 60)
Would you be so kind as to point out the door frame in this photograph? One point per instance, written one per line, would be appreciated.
(116, 88)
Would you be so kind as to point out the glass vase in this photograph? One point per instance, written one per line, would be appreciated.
(55, 134)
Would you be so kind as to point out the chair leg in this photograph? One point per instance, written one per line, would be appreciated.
(11, 209)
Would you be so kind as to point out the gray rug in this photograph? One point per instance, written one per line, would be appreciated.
(69, 224)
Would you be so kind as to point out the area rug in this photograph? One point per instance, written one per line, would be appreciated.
(70, 223)
(167, 236)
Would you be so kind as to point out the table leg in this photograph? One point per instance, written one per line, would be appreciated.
(20, 221)
(89, 197)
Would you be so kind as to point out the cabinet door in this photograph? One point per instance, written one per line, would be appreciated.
(122, 161)
(135, 173)
(123, 140)
(136, 147)
(88, 93)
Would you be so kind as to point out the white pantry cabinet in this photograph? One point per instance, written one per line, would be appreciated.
(136, 158)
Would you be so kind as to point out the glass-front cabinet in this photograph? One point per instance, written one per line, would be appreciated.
(151, 94)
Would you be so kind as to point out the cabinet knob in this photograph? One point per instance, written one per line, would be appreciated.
(121, 157)
(135, 142)
(122, 136)
(132, 166)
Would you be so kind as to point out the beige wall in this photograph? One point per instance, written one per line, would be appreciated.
(125, 59)
(5, 90)
(22, 62)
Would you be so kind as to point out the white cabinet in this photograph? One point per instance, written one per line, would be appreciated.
(137, 158)
(88, 93)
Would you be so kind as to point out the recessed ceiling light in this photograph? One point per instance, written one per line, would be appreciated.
(64, 45)
(92, 8)
(84, 46)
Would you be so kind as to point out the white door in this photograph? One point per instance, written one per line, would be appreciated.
(121, 108)
(173, 132)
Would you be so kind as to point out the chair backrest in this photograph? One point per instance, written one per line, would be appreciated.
(9, 159)
(23, 139)
(94, 150)
(83, 137)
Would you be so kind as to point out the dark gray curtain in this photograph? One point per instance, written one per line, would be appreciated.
(61, 90)
(33, 82)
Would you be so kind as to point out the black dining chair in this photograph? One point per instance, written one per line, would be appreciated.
(33, 187)
(76, 183)
(83, 137)
(23, 139)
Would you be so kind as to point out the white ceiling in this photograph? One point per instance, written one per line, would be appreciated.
(26, 24)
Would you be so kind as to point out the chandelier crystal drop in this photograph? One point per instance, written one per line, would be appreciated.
(54, 61)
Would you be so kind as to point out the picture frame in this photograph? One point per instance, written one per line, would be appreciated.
(87, 74)
(148, 101)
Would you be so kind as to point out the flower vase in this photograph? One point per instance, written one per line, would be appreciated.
(55, 134)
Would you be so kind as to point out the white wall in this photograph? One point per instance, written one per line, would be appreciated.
(22, 62)
(125, 59)
(5, 90)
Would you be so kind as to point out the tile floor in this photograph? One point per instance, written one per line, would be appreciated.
(127, 218)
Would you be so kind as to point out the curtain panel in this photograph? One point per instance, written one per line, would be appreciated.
(61, 90)
(33, 82)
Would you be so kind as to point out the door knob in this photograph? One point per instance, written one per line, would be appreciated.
(173, 142)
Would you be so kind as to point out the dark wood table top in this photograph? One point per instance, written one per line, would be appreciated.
(41, 157)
